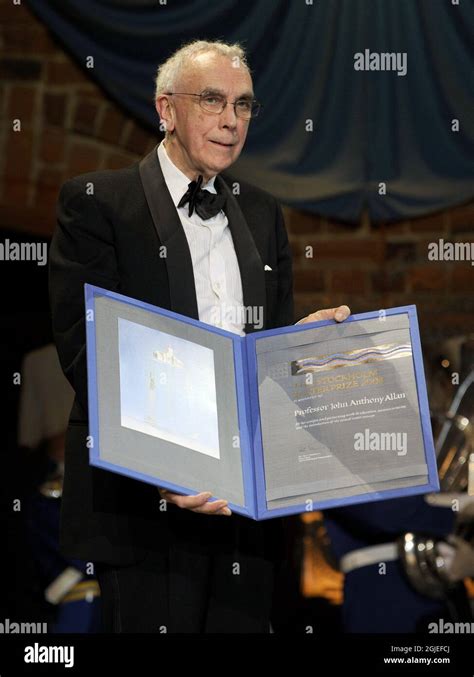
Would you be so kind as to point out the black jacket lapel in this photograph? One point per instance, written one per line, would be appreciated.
(172, 236)
(250, 263)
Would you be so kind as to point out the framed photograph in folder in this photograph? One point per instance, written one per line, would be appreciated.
(277, 422)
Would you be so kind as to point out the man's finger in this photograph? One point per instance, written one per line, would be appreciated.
(218, 507)
(340, 313)
(199, 503)
(189, 502)
(225, 511)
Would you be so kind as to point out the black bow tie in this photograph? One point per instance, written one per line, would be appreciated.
(205, 203)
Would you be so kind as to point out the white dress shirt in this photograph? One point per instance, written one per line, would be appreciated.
(215, 265)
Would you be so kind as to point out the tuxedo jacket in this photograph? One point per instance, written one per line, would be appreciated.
(112, 228)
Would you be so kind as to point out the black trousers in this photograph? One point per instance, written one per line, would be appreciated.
(188, 590)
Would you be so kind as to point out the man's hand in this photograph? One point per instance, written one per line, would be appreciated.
(199, 503)
(339, 314)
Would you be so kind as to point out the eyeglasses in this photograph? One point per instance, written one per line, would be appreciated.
(215, 103)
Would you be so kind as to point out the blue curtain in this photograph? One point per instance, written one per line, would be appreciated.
(369, 126)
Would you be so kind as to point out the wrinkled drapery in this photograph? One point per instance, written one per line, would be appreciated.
(329, 135)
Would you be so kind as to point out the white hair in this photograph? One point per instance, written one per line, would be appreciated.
(170, 70)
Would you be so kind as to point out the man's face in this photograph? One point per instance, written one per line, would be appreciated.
(203, 142)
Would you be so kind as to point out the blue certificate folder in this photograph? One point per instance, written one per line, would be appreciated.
(277, 422)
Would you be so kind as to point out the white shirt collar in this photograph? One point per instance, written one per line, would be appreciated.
(175, 179)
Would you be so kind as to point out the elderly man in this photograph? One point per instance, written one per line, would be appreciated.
(170, 231)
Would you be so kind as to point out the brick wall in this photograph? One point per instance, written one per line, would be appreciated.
(382, 265)
(68, 126)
